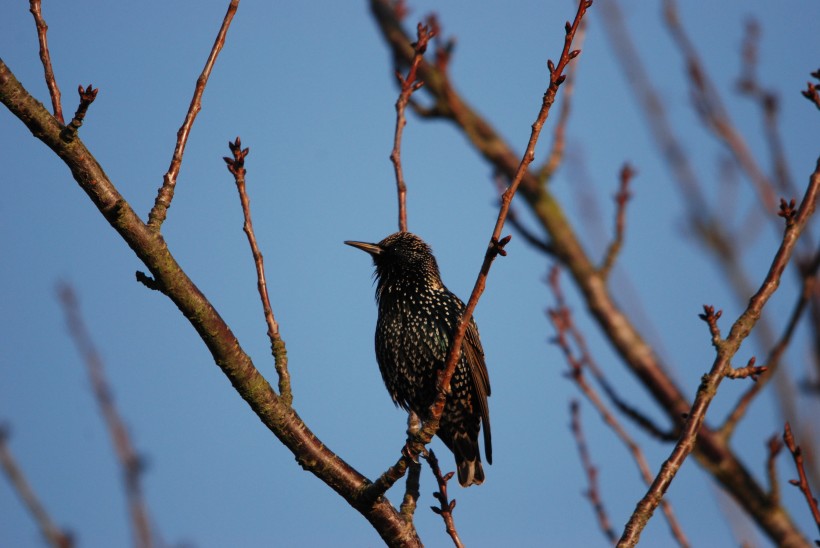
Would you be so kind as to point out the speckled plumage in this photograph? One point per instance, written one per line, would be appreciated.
(417, 318)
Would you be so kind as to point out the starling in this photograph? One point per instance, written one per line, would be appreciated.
(418, 317)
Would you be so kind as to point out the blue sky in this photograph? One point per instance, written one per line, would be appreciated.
(310, 91)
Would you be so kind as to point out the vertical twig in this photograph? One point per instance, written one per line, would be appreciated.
(129, 460)
(556, 153)
(166, 192)
(236, 166)
(42, 29)
(408, 85)
(591, 472)
(621, 198)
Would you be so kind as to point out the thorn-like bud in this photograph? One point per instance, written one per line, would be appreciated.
(560, 79)
(550, 66)
(574, 53)
(567, 27)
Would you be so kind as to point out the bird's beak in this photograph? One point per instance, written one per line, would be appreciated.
(373, 249)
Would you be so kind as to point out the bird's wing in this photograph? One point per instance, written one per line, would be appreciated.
(481, 381)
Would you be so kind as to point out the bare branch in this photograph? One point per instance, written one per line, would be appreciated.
(281, 419)
(129, 461)
(236, 166)
(567, 334)
(713, 452)
(591, 472)
(621, 199)
(42, 30)
(55, 536)
(446, 506)
(408, 85)
(726, 349)
(166, 192)
(803, 482)
(747, 84)
(775, 446)
(556, 154)
(751, 370)
(710, 107)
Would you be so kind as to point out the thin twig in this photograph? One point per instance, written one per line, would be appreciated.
(446, 506)
(408, 85)
(750, 370)
(710, 107)
(55, 536)
(236, 166)
(166, 192)
(556, 154)
(512, 217)
(803, 482)
(497, 243)
(591, 472)
(747, 84)
(726, 349)
(773, 360)
(129, 460)
(42, 30)
(621, 198)
(565, 329)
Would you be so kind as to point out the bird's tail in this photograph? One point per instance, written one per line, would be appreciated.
(468, 459)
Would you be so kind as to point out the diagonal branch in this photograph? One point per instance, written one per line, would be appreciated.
(50, 531)
(726, 349)
(151, 248)
(166, 192)
(130, 462)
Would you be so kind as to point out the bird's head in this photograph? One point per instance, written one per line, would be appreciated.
(401, 259)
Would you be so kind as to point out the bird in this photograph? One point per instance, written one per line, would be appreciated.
(417, 319)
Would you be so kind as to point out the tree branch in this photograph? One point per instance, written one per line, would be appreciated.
(408, 85)
(236, 166)
(712, 451)
(152, 250)
(726, 349)
(45, 57)
(166, 192)
(130, 462)
(55, 536)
